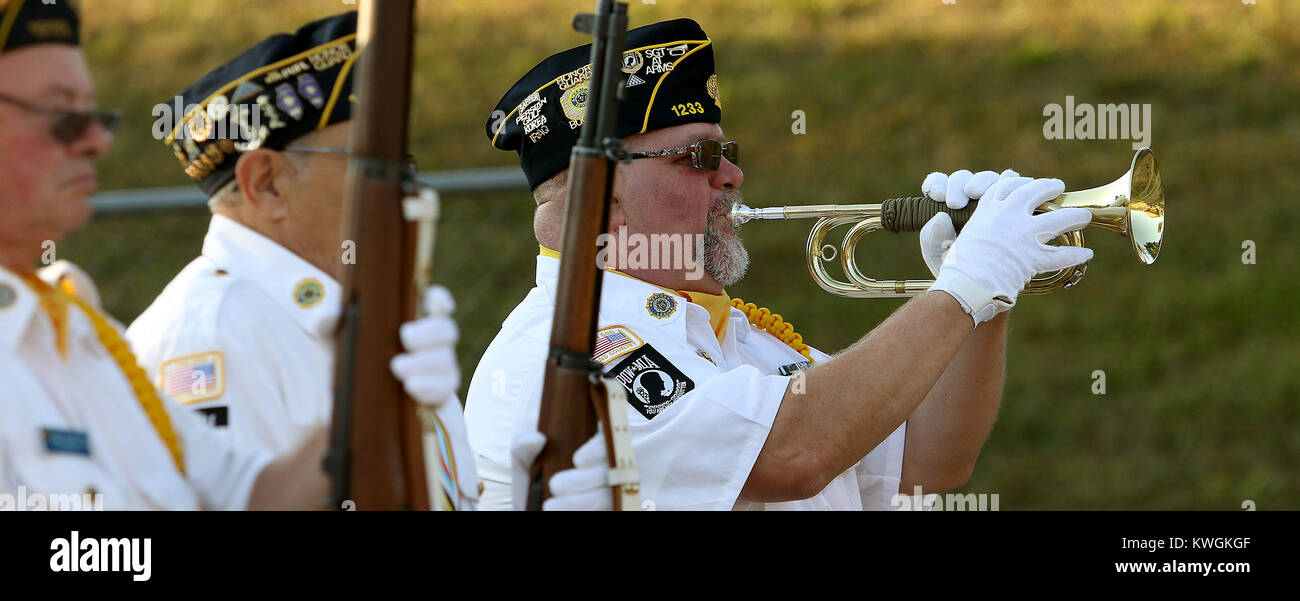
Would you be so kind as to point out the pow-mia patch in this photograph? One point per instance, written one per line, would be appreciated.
(614, 342)
(632, 61)
(660, 305)
(308, 292)
(651, 381)
(193, 378)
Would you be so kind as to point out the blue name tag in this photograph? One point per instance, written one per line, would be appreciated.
(66, 441)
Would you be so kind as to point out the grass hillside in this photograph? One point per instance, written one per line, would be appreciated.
(1199, 350)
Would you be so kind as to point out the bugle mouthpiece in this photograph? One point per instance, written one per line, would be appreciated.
(740, 213)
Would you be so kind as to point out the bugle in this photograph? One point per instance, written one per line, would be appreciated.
(1133, 205)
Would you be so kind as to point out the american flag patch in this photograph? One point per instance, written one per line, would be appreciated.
(614, 342)
(193, 378)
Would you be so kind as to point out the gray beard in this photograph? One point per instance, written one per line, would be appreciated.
(725, 257)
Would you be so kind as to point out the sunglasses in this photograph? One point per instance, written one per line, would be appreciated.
(705, 154)
(69, 126)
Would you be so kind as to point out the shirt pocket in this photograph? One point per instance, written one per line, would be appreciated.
(42, 479)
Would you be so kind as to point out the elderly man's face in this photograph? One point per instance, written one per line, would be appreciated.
(668, 195)
(316, 208)
(45, 185)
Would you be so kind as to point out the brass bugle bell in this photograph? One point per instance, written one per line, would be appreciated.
(1133, 205)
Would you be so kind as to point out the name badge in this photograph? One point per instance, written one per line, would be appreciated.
(793, 368)
(66, 441)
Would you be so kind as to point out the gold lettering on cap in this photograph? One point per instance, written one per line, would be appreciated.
(213, 151)
(330, 56)
(50, 28)
(574, 77)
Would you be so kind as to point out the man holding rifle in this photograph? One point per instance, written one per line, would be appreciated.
(255, 313)
(245, 333)
(729, 409)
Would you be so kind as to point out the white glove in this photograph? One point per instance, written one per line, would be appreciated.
(936, 238)
(961, 187)
(585, 487)
(428, 368)
(1003, 246)
(430, 374)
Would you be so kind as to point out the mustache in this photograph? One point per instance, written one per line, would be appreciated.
(723, 206)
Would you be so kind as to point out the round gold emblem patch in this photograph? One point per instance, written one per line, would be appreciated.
(308, 292)
(660, 305)
(574, 101)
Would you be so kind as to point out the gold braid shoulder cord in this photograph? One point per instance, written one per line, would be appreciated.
(774, 325)
(140, 384)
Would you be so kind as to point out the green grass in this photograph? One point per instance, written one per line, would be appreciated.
(1199, 350)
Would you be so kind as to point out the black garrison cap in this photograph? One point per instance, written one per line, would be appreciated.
(670, 81)
(27, 22)
(285, 87)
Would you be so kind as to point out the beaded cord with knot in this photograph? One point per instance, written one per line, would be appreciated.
(144, 391)
(772, 322)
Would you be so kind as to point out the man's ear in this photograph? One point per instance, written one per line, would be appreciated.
(261, 174)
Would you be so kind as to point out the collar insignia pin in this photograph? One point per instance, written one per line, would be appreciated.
(660, 305)
(308, 292)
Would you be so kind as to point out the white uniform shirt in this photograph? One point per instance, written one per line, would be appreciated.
(694, 451)
(84, 396)
(258, 322)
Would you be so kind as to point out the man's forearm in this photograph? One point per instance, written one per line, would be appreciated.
(849, 405)
(294, 480)
(945, 434)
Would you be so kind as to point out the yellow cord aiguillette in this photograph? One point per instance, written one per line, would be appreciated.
(140, 384)
(774, 325)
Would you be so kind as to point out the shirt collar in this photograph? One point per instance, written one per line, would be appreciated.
(23, 310)
(632, 302)
(718, 306)
(18, 307)
(310, 295)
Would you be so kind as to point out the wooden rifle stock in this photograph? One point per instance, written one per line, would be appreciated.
(376, 455)
(572, 399)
